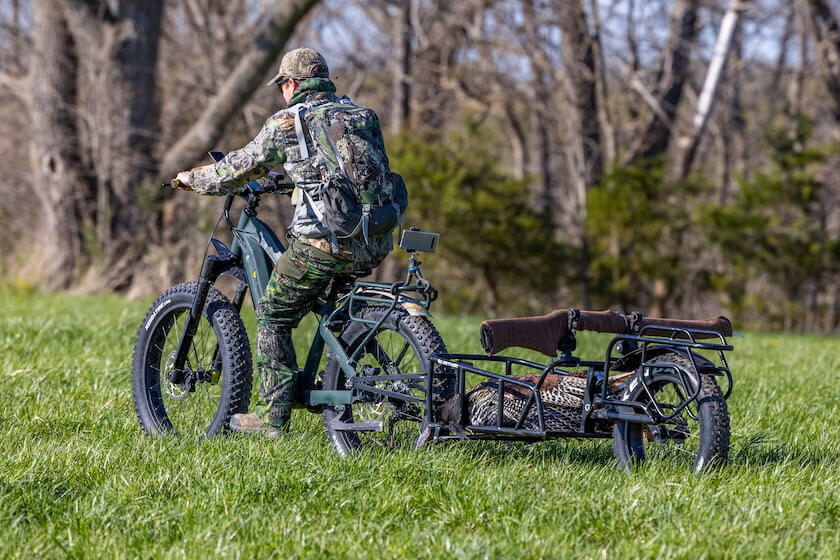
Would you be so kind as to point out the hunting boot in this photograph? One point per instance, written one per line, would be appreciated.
(251, 424)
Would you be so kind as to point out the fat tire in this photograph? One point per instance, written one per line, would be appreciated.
(713, 424)
(234, 348)
(424, 340)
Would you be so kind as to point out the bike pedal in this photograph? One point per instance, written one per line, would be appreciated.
(340, 426)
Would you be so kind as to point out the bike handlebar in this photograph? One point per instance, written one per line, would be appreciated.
(175, 184)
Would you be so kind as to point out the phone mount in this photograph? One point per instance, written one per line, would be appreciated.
(414, 240)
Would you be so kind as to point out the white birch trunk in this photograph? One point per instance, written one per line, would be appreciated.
(706, 101)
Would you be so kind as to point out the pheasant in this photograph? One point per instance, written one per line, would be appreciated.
(561, 395)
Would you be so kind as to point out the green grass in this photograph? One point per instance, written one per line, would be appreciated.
(78, 478)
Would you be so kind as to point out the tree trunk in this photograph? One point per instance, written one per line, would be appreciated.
(781, 61)
(797, 85)
(579, 57)
(545, 196)
(55, 140)
(688, 144)
(519, 141)
(826, 32)
(238, 88)
(673, 74)
(605, 117)
(737, 118)
(401, 88)
(542, 103)
(492, 291)
(579, 49)
(119, 68)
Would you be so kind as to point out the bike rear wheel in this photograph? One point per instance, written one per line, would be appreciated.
(210, 395)
(401, 346)
(698, 436)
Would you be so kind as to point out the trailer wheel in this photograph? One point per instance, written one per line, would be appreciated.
(698, 436)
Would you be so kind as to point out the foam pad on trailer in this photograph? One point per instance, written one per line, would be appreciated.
(544, 333)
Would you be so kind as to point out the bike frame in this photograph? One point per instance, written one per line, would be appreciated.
(251, 259)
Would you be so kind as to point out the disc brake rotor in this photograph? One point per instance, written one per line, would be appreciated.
(175, 392)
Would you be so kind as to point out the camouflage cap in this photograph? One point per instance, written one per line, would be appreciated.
(301, 63)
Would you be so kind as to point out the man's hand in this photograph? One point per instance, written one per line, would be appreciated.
(183, 181)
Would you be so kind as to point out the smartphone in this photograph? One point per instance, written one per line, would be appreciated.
(416, 240)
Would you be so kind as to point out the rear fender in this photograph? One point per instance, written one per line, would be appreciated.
(412, 306)
(685, 376)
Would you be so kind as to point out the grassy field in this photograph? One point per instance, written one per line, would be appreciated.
(79, 479)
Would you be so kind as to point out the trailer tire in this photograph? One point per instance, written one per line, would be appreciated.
(706, 442)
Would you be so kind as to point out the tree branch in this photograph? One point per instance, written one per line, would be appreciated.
(238, 88)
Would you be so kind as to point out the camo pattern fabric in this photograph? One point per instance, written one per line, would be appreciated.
(302, 63)
(300, 277)
(356, 135)
(561, 396)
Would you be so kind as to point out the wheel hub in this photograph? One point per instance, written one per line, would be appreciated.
(192, 377)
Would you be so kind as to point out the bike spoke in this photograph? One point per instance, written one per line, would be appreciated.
(401, 355)
(379, 353)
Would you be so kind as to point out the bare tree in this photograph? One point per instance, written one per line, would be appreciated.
(117, 46)
(579, 49)
(238, 88)
(542, 102)
(55, 143)
(401, 97)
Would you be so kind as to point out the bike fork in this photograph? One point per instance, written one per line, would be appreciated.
(213, 267)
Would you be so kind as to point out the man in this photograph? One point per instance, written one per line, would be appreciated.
(313, 256)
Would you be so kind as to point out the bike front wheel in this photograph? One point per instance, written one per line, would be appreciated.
(399, 350)
(218, 366)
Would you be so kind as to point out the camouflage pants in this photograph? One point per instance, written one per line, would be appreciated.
(300, 276)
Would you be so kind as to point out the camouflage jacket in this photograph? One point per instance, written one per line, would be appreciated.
(277, 144)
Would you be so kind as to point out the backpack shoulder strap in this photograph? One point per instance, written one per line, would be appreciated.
(297, 110)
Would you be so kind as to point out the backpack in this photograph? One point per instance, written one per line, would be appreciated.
(359, 195)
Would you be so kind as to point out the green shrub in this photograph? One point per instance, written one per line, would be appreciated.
(496, 251)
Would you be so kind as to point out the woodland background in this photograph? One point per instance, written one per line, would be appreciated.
(672, 156)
